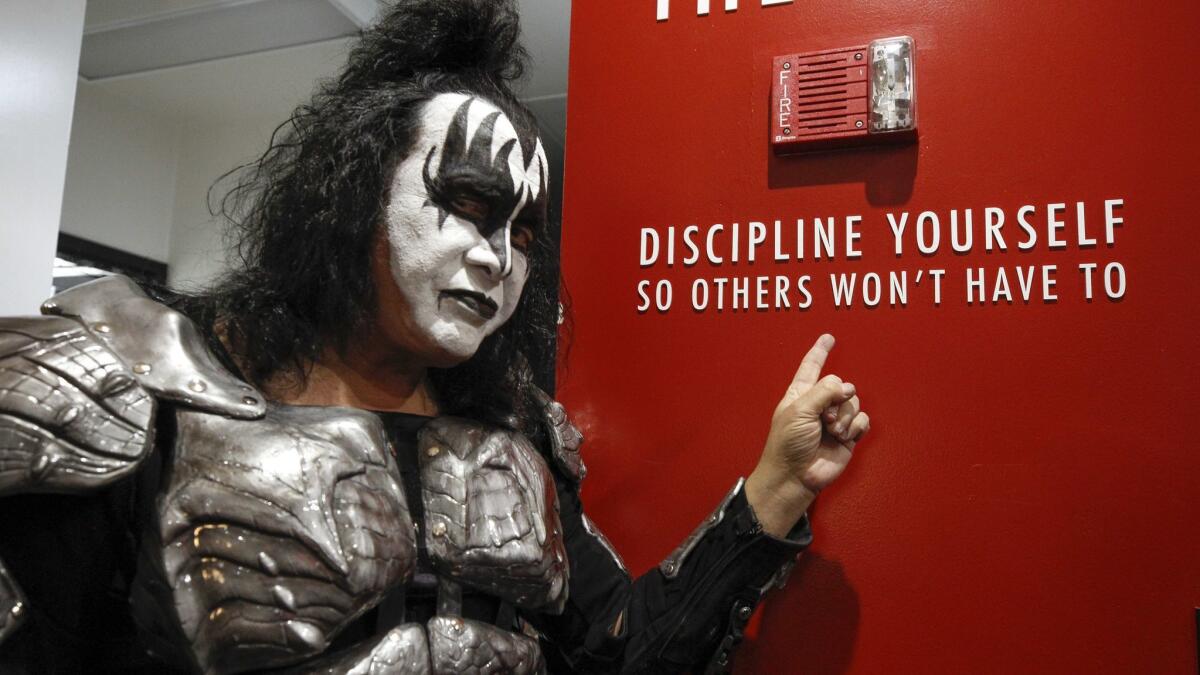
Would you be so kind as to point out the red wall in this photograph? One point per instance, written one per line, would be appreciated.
(1027, 500)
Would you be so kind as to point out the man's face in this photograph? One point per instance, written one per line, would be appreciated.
(463, 209)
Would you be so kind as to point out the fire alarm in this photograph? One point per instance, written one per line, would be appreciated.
(843, 97)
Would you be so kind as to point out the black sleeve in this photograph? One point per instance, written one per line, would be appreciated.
(74, 556)
(686, 615)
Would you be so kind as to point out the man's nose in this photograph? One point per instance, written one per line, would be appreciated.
(492, 253)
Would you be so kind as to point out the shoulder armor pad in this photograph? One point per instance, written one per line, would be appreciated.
(72, 416)
(162, 348)
(565, 438)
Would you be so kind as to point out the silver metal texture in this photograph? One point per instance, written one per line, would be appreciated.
(565, 438)
(465, 647)
(403, 650)
(671, 565)
(73, 417)
(277, 533)
(12, 604)
(163, 348)
(591, 529)
(491, 512)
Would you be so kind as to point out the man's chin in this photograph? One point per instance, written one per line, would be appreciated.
(453, 354)
(450, 343)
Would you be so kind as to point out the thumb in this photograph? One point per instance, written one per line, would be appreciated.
(828, 391)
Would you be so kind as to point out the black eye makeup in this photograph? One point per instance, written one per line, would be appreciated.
(523, 236)
(471, 184)
(469, 207)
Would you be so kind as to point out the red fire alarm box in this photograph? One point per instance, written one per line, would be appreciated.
(841, 97)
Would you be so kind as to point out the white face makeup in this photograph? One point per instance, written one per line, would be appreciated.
(463, 208)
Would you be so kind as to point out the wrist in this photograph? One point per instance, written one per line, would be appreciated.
(778, 498)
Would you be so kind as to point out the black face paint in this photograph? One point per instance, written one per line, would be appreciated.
(468, 172)
(535, 212)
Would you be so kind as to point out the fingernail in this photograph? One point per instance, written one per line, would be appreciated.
(848, 389)
(827, 341)
(839, 428)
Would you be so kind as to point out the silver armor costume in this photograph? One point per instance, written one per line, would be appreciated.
(276, 526)
(276, 533)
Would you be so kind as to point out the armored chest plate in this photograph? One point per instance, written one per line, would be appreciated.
(277, 533)
(491, 513)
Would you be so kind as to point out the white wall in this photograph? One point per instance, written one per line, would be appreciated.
(39, 57)
(120, 188)
(197, 251)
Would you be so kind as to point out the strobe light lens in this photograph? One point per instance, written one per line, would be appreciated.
(893, 85)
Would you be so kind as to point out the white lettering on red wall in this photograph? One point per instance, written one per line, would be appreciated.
(704, 6)
(782, 248)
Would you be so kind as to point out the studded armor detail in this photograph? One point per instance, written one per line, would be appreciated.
(465, 647)
(162, 348)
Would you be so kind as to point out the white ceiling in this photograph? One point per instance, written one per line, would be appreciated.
(105, 15)
(270, 80)
(108, 14)
(140, 43)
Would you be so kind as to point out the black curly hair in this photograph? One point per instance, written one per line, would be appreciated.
(305, 215)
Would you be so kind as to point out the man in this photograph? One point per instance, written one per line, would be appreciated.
(336, 460)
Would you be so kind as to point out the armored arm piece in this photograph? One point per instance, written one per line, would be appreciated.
(78, 389)
(686, 615)
(78, 393)
(72, 416)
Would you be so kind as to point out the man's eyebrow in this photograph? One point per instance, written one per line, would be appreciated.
(471, 172)
(484, 182)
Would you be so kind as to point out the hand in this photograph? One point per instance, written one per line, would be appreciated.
(813, 433)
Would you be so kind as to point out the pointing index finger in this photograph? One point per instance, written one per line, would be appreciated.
(810, 367)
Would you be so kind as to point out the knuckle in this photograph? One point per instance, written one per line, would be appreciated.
(850, 409)
(831, 381)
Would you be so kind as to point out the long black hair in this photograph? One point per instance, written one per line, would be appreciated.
(304, 216)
